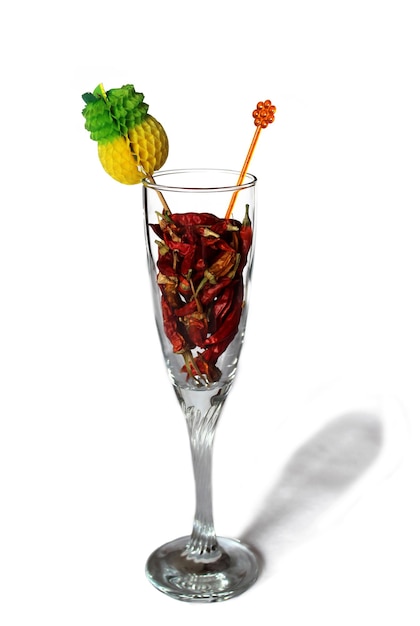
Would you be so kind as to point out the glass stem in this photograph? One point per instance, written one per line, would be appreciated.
(202, 410)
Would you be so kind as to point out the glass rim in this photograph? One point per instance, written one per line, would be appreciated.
(249, 181)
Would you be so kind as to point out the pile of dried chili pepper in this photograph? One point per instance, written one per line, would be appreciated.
(200, 265)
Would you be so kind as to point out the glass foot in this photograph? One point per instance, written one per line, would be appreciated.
(191, 580)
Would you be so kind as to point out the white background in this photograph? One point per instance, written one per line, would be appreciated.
(316, 459)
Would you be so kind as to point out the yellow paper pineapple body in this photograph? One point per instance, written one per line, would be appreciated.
(131, 143)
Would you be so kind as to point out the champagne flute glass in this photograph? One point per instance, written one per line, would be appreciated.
(200, 262)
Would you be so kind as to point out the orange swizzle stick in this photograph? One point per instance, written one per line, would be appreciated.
(263, 116)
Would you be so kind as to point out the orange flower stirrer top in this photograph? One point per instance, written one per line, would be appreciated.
(263, 116)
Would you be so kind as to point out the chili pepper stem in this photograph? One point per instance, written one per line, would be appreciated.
(194, 293)
(192, 367)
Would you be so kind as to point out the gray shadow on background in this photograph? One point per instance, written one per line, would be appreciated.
(314, 478)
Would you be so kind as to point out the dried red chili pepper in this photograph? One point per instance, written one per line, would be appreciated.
(170, 326)
(222, 265)
(196, 326)
(192, 218)
(188, 259)
(212, 291)
(231, 318)
(184, 287)
(222, 305)
(245, 234)
(183, 249)
(200, 368)
(201, 259)
(166, 265)
(186, 309)
(169, 288)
